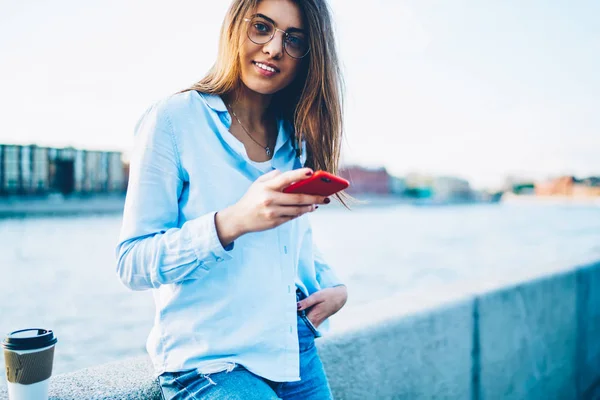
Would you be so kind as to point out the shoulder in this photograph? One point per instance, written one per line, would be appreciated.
(175, 108)
(176, 104)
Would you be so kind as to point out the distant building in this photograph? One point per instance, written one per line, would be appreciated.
(397, 185)
(33, 170)
(365, 180)
(519, 185)
(451, 188)
(522, 188)
(569, 186)
(418, 185)
(592, 181)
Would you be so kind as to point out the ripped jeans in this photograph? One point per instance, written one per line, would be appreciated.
(238, 383)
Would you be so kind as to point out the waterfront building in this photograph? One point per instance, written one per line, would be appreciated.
(419, 185)
(33, 171)
(366, 180)
(569, 186)
(397, 185)
(451, 188)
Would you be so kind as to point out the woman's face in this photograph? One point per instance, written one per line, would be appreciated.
(254, 57)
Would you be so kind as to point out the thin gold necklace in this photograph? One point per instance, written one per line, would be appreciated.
(267, 149)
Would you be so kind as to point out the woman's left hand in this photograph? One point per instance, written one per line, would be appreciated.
(323, 304)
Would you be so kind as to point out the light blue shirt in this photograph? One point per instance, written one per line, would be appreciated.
(213, 304)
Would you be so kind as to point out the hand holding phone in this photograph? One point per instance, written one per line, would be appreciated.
(321, 183)
(264, 206)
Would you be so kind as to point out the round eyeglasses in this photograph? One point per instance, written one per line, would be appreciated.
(261, 31)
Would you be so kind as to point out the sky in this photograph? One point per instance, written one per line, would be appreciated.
(475, 89)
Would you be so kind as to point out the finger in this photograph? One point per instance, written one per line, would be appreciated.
(287, 178)
(269, 175)
(298, 199)
(310, 301)
(293, 211)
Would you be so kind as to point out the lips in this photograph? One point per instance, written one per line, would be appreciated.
(268, 67)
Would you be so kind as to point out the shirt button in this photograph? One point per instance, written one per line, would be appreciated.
(219, 259)
(285, 249)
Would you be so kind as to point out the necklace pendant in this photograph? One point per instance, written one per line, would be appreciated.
(268, 150)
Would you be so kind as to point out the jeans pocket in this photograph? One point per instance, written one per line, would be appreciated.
(301, 296)
(184, 385)
(310, 325)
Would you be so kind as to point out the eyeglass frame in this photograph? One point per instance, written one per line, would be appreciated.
(285, 35)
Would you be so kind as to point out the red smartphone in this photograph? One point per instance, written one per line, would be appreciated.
(320, 183)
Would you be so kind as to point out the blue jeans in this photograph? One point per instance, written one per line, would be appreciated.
(239, 383)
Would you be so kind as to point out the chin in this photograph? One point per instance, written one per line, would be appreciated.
(260, 87)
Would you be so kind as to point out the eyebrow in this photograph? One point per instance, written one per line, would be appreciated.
(292, 29)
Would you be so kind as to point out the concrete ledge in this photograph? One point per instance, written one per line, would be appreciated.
(130, 379)
(588, 331)
(528, 337)
(419, 357)
(537, 340)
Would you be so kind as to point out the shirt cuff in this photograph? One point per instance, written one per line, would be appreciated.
(205, 242)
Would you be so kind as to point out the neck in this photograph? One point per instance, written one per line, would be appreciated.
(250, 107)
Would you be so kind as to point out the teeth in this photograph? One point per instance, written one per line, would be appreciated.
(265, 67)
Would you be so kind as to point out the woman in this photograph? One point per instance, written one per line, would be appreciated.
(240, 290)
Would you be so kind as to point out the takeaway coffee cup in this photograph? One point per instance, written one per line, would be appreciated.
(28, 357)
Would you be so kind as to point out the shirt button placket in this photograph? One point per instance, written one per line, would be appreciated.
(284, 260)
(289, 286)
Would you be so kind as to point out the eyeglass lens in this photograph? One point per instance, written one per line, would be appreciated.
(261, 31)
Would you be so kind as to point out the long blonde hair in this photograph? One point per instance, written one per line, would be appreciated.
(312, 106)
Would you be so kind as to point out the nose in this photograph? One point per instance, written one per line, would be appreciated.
(275, 46)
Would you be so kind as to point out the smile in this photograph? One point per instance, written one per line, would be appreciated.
(265, 67)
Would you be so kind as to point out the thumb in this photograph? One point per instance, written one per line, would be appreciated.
(309, 301)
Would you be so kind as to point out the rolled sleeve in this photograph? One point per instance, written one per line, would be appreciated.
(205, 241)
(326, 276)
(153, 248)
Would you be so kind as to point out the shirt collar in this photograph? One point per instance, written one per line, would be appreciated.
(215, 102)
